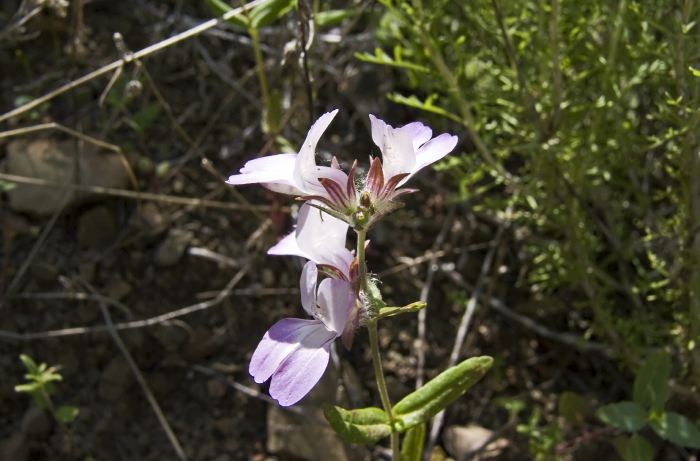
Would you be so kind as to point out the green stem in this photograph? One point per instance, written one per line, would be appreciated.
(374, 347)
(262, 78)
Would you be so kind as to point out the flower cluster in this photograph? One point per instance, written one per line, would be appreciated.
(294, 353)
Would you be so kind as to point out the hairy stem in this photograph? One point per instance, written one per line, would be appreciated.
(374, 346)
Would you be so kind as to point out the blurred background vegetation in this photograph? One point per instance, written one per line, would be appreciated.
(579, 150)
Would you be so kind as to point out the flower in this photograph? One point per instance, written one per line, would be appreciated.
(408, 149)
(295, 352)
(294, 174)
(320, 238)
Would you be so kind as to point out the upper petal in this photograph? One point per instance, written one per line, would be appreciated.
(396, 144)
(305, 170)
(336, 299)
(273, 170)
(322, 238)
(288, 246)
(419, 133)
(434, 150)
(307, 287)
(302, 369)
(278, 342)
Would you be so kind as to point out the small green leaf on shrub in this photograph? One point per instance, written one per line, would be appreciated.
(385, 312)
(412, 445)
(332, 17)
(67, 414)
(439, 392)
(574, 407)
(364, 425)
(677, 429)
(29, 363)
(220, 7)
(651, 383)
(268, 12)
(628, 416)
(634, 448)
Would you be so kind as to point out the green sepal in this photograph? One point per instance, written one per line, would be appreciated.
(628, 416)
(412, 445)
(364, 425)
(439, 392)
(385, 312)
(651, 383)
(678, 429)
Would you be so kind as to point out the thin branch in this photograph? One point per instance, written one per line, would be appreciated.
(75, 331)
(172, 199)
(139, 378)
(128, 59)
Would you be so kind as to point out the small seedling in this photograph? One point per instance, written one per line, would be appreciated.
(40, 385)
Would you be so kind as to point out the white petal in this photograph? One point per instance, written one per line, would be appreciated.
(434, 150)
(288, 246)
(307, 286)
(304, 171)
(322, 238)
(336, 299)
(419, 133)
(272, 171)
(279, 341)
(398, 155)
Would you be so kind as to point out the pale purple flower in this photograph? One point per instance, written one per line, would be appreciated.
(295, 174)
(320, 238)
(295, 352)
(408, 149)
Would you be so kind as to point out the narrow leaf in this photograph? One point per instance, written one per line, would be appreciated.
(331, 18)
(220, 7)
(678, 429)
(439, 392)
(412, 445)
(364, 425)
(385, 312)
(628, 416)
(268, 12)
(29, 363)
(651, 383)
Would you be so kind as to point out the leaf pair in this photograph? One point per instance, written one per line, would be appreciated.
(369, 425)
(259, 16)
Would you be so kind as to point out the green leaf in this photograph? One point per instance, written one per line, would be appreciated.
(6, 186)
(439, 392)
(28, 387)
(427, 105)
(678, 429)
(695, 72)
(219, 8)
(268, 12)
(651, 383)
(331, 18)
(639, 449)
(364, 425)
(67, 414)
(628, 416)
(29, 363)
(412, 445)
(385, 312)
(380, 57)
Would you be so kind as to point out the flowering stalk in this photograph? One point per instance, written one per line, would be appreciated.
(374, 345)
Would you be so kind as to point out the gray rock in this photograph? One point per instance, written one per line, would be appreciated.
(97, 227)
(36, 423)
(59, 162)
(173, 247)
(461, 442)
(307, 435)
